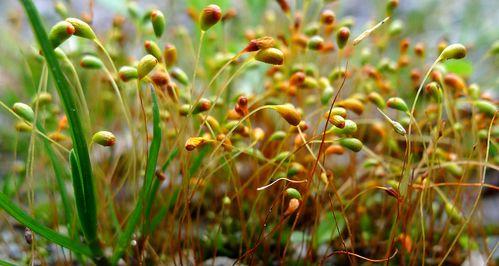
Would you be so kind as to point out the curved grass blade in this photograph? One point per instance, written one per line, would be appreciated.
(26, 220)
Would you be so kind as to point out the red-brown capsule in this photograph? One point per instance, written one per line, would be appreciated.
(210, 16)
(283, 4)
(328, 17)
(342, 37)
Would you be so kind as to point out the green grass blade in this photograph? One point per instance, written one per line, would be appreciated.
(6, 263)
(156, 182)
(26, 220)
(88, 223)
(125, 237)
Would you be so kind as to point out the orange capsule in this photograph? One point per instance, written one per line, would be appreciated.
(300, 40)
(297, 79)
(454, 81)
(404, 45)
(334, 149)
(63, 123)
(415, 76)
(292, 206)
(419, 49)
(353, 105)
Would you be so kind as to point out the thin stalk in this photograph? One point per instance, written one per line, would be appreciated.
(196, 65)
(128, 119)
(477, 200)
(42, 134)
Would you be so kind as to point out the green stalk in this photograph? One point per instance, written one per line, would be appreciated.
(152, 159)
(80, 156)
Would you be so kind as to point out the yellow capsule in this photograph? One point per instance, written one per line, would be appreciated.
(289, 113)
(272, 56)
(146, 65)
(453, 51)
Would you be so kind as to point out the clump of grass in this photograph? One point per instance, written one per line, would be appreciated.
(291, 143)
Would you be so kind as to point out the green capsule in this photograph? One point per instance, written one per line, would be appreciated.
(278, 135)
(256, 153)
(474, 91)
(104, 138)
(349, 128)
(397, 104)
(82, 29)
(60, 32)
(453, 212)
(42, 98)
(23, 110)
(369, 163)
(210, 16)
(339, 111)
(179, 75)
(327, 94)
(486, 107)
(483, 134)
(336, 73)
(153, 49)
(226, 201)
(202, 106)
(61, 9)
(454, 169)
(312, 29)
(91, 62)
(295, 168)
(377, 100)
(283, 156)
(310, 83)
(158, 22)
(352, 144)
(146, 65)
(342, 37)
(128, 73)
(272, 56)
(316, 43)
(184, 109)
(453, 51)
(396, 28)
(293, 193)
(323, 82)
